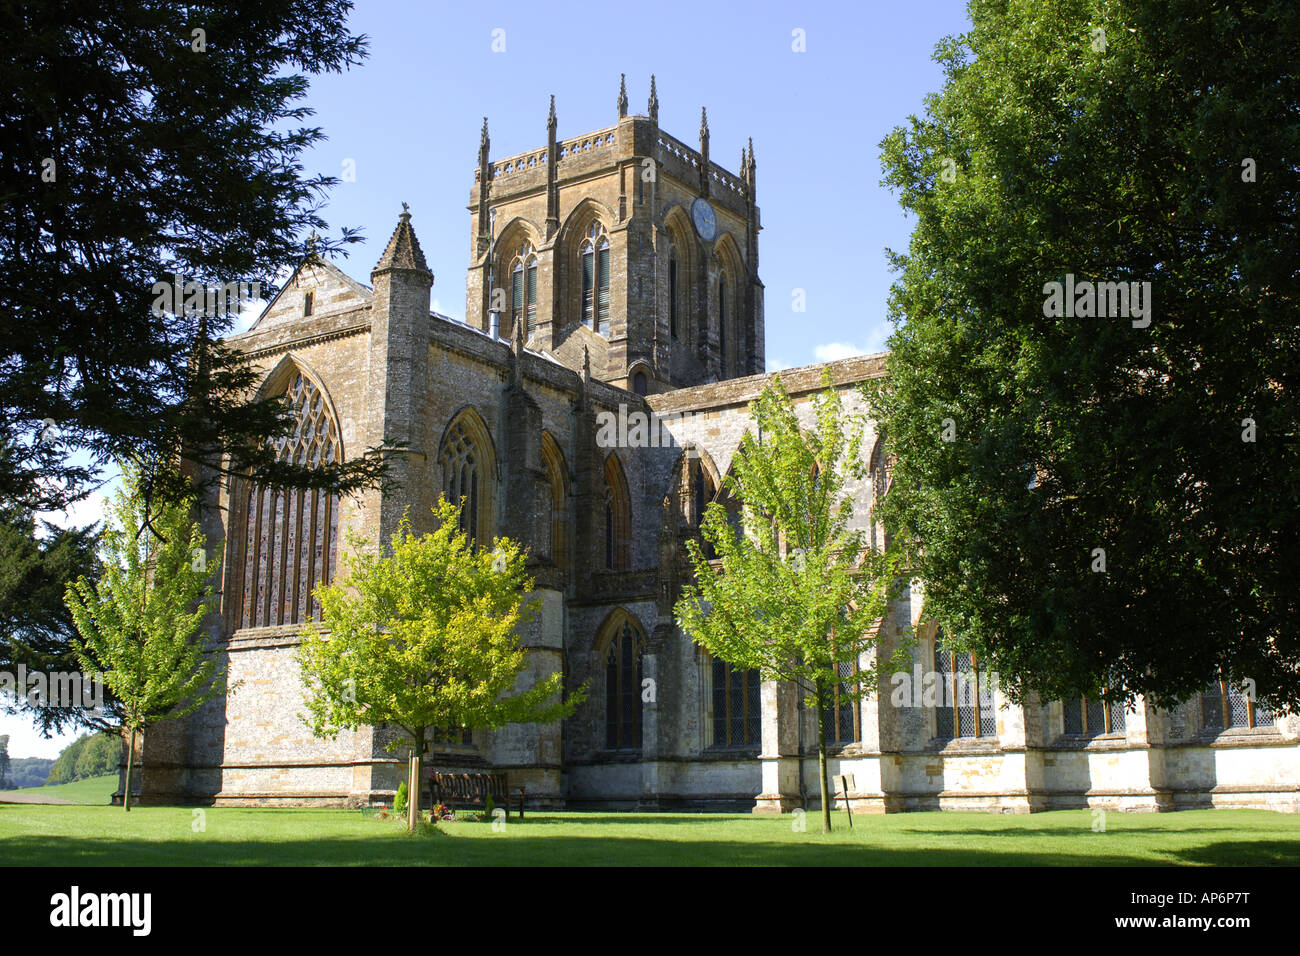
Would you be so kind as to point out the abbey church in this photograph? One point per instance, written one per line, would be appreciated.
(613, 273)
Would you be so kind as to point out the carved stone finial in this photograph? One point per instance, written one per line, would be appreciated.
(550, 120)
(622, 95)
(483, 136)
(704, 123)
(654, 101)
(406, 211)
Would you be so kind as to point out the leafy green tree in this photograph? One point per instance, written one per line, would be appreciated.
(139, 624)
(37, 560)
(425, 638)
(65, 763)
(799, 591)
(1104, 501)
(4, 762)
(144, 141)
(98, 757)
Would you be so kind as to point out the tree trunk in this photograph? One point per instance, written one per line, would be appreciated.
(821, 758)
(130, 755)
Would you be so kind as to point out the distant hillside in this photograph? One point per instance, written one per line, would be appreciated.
(28, 771)
(96, 791)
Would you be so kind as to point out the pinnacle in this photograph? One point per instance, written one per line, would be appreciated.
(403, 250)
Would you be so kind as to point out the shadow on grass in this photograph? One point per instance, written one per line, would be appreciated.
(235, 837)
(521, 850)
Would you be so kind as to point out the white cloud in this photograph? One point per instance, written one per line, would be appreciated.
(777, 365)
(834, 351)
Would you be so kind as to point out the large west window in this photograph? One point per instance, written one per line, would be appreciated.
(290, 534)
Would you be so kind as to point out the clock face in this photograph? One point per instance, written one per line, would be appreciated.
(706, 223)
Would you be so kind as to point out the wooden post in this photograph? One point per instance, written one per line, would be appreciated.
(845, 781)
(413, 793)
(521, 803)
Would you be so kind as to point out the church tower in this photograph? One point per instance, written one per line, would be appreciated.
(624, 245)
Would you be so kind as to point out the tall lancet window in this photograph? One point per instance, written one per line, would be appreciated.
(595, 279)
(672, 291)
(290, 534)
(469, 473)
(623, 670)
(523, 289)
(722, 326)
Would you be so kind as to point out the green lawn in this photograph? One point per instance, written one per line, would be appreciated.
(92, 790)
(81, 836)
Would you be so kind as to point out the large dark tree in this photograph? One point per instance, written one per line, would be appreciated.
(1098, 502)
(141, 140)
(37, 560)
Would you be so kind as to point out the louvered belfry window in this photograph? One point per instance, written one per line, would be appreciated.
(523, 289)
(595, 279)
(290, 534)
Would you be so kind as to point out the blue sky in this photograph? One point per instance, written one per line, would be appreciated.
(409, 119)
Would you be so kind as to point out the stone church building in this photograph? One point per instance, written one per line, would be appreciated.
(616, 273)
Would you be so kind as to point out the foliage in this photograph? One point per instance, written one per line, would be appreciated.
(139, 623)
(1113, 142)
(37, 560)
(143, 141)
(28, 772)
(399, 801)
(425, 637)
(799, 591)
(91, 755)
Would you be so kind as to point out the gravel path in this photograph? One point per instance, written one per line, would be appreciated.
(8, 796)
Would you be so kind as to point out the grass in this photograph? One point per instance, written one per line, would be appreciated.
(91, 791)
(107, 836)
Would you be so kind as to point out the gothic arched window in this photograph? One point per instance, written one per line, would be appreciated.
(595, 279)
(468, 474)
(672, 291)
(881, 471)
(290, 534)
(722, 326)
(557, 481)
(623, 686)
(618, 517)
(523, 289)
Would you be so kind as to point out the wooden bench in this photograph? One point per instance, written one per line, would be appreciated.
(472, 789)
